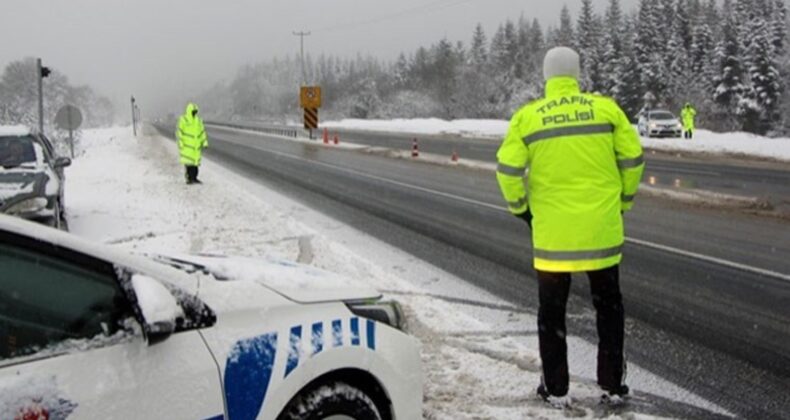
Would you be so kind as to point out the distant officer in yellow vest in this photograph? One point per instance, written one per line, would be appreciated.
(585, 164)
(688, 114)
(192, 140)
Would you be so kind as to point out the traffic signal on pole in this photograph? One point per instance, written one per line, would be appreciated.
(45, 71)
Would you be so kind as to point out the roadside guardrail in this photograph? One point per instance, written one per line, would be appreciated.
(262, 128)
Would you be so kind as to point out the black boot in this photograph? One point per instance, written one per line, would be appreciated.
(192, 175)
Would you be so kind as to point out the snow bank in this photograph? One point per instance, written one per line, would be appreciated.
(466, 128)
(480, 356)
(14, 130)
(736, 143)
(704, 141)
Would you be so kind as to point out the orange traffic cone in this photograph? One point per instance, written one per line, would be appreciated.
(454, 157)
(326, 136)
(337, 140)
(415, 149)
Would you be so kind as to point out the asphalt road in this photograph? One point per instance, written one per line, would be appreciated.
(769, 181)
(715, 328)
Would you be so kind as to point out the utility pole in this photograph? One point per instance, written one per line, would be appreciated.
(301, 36)
(41, 73)
(134, 118)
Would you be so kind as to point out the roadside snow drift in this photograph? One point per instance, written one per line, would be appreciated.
(704, 141)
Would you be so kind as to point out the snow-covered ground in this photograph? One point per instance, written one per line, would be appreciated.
(468, 128)
(704, 141)
(480, 354)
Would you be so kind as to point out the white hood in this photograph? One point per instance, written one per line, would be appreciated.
(297, 282)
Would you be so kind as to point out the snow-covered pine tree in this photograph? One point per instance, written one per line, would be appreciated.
(444, 75)
(564, 35)
(628, 89)
(475, 92)
(683, 23)
(18, 96)
(498, 49)
(665, 22)
(728, 87)
(523, 53)
(779, 26)
(649, 53)
(400, 72)
(713, 18)
(538, 47)
(511, 48)
(702, 47)
(612, 48)
(478, 51)
(762, 99)
(587, 43)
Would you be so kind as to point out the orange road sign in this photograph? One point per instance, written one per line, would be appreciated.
(310, 97)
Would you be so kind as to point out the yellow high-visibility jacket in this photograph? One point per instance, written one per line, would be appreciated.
(585, 164)
(687, 115)
(191, 137)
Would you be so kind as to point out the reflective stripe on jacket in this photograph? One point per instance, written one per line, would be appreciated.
(585, 164)
(191, 137)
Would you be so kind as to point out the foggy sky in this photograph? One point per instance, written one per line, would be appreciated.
(166, 51)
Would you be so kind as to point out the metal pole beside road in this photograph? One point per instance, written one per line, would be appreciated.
(134, 119)
(71, 131)
(41, 73)
(40, 78)
(301, 35)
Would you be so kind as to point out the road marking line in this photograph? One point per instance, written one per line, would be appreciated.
(658, 168)
(738, 266)
(648, 244)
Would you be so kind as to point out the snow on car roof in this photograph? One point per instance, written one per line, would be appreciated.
(14, 130)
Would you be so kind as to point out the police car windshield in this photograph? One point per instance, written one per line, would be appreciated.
(16, 151)
(663, 115)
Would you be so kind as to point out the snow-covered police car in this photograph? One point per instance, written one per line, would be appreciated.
(88, 332)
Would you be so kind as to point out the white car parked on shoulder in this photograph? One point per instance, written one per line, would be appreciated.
(659, 123)
(87, 332)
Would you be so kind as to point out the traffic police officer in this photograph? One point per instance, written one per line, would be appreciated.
(585, 164)
(192, 140)
(687, 115)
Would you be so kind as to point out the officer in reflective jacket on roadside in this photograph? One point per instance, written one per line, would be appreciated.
(191, 136)
(585, 164)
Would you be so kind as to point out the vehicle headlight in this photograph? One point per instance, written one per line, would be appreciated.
(678, 125)
(389, 313)
(31, 205)
(653, 125)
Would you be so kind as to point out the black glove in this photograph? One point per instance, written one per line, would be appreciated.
(526, 217)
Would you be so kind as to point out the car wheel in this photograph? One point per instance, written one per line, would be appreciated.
(335, 401)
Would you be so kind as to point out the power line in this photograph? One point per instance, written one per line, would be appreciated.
(431, 7)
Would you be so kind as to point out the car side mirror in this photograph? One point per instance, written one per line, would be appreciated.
(158, 307)
(62, 162)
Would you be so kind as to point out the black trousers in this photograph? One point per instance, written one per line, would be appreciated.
(688, 134)
(191, 173)
(610, 320)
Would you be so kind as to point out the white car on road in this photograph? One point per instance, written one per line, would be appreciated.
(88, 332)
(659, 123)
